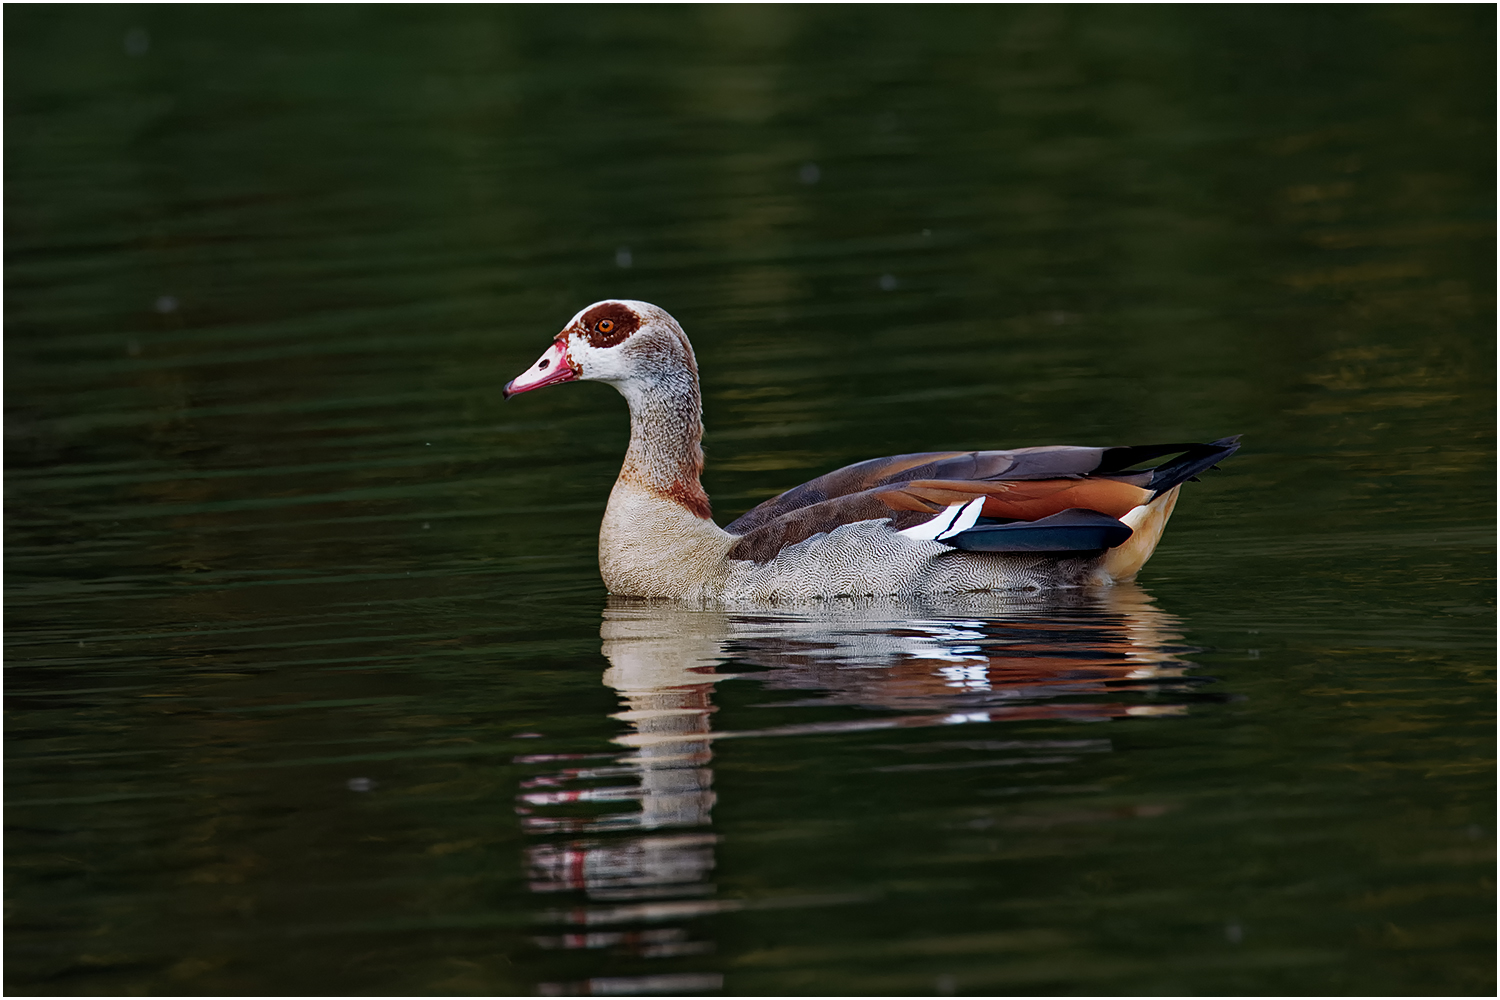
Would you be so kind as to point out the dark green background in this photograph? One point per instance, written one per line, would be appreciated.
(269, 527)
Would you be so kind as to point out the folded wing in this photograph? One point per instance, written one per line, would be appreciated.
(1027, 484)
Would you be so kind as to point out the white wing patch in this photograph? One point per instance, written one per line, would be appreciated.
(955, 518)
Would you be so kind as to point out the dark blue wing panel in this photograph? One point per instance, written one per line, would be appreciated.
(1074, 530)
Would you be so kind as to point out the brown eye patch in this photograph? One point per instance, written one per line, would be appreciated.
(607, 324)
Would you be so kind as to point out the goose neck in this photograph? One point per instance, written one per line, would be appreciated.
(666, 440)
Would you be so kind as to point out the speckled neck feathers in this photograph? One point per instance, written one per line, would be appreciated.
(666, 430)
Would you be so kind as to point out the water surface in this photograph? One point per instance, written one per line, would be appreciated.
(313, 687)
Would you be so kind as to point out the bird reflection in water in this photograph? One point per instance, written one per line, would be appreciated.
(646, 870)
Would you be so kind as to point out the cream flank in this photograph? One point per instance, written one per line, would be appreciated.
(658, 539)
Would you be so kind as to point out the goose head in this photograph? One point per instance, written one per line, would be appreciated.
(631, 345)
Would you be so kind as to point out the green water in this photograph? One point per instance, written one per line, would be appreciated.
(313, 687)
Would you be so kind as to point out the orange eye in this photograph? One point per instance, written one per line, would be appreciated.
(605, 325)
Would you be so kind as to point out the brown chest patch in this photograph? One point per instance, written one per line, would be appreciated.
(608, 323)
(691, 496)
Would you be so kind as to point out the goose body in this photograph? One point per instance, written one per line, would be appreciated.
(933, 522)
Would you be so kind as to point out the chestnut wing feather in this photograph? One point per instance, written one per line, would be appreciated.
(913, 502)
(1048, 462)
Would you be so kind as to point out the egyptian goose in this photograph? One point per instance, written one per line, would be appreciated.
(933, 522)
